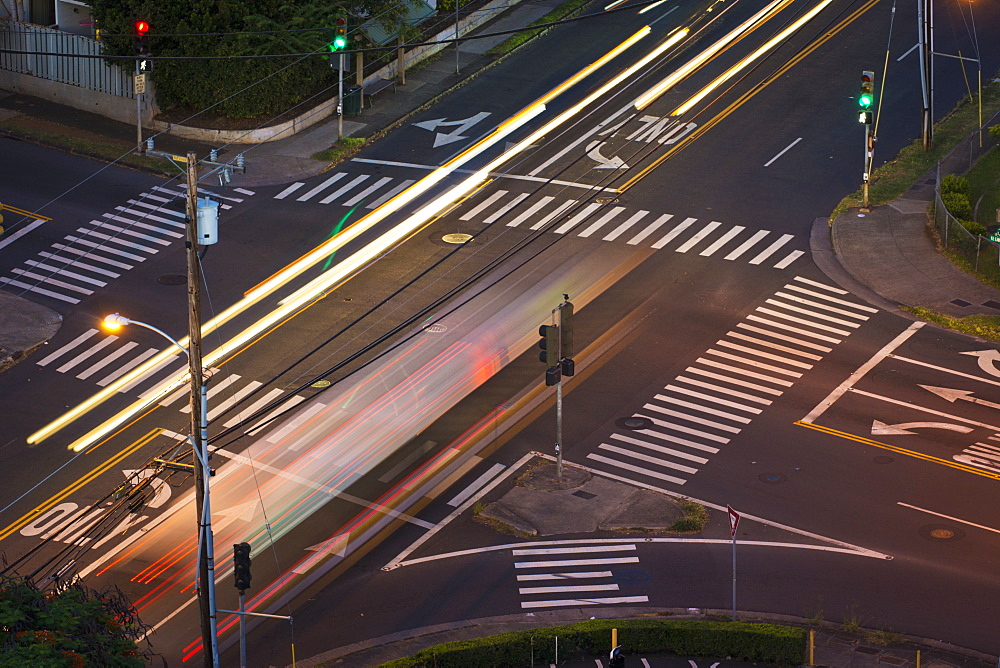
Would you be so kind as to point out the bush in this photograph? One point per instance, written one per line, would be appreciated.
(973, 227)
(766, 643)
(953, 183)
(957, 205)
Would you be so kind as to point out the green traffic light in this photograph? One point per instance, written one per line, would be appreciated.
(865, 100)
(339, 42)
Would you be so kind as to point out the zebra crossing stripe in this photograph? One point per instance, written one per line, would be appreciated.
(146, 376)
(572, 602)
(52, 281)
(63, 248)
(686, 430)
(677, 440)
(252, 408)
(504, 209)
(746, 245)
(233, 399)
(289, 190)
(835, 300)
(773, 346)
(698, 237)
(484, 205)
(367, 191)
(632, 220)
(133, 233)
(648, 459)
(636, 469)
(744, 372)
(724, 390)
(530, 211)
(817, 284)
(586, 213)
(659, 448)
(692, 418)
(801, 321)
(734, 381)
(760, 353)
(582, 575)
(527, 552)
(321, 187)
(78, 264)
(722, 241)
(602, 221)
(155, 207)
(145, 215)
(392, 193)
(789, 339)
(599, 561)
(782, 326)
(217, 387)
(683, 225)
(128, 366)
(704, 409)
(89, 352)
(772, 249)
(66, 348)
(65, 272)
(814, 314)
(123, 242)
(825, 307)
(708, 397)
(753, 363)
(559, 210)
(344, 189)
(567, 589)
(106, 360)
(790, 258)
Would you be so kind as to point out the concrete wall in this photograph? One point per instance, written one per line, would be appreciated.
(112, 106)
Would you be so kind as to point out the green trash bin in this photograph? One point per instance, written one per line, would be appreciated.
(352, 101)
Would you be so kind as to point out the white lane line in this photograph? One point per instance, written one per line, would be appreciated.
(722, 241)
(21, 232)
(573, 602)
(52, 281)
(693, 418)
(476, 485)
(89, 352)
(106, 360)
(652, 227)
(617, 232)
(244, 191)
(760, 353)
(77, 264)
(801, 321)
(783, 337)
(67, 347)
(121, 242)
(252, 408)
(602, 561)
(814, 314)
(714, 399)
(684, 430)
(602, 221)
(835, 300)
(697, 238)
(860, 372)
(392, 193)
(825, 307)
(580, 575)
(505, 208)
(817, 284)
(367, 191)
(753, 363)
(636, 469)
(321, 187)
(735, 381)
(566, 589)
(527, 552)
(484, 205)
(343, 190)
(128, 366)
(772, 249)
(773, 346)
(64, 272)
(587, 212)
(90, 255)
(744, 372)
(559, 210)
(746, 245)
(41, 291)
(289, 190)
(782, 152)
(947, 517)
(231, 401)
(788, 259)
(724, 390)
(530, 211)
(662, 450)
(674, 439)
(788, 328)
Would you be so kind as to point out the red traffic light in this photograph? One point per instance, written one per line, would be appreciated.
(141, 28)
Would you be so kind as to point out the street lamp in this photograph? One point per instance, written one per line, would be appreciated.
(199, 446)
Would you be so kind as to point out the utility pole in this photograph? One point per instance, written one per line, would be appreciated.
(199, 428)
(926, 82)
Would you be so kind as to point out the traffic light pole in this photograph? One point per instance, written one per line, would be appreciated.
(869, 154)
(138, 111)
(340, 98)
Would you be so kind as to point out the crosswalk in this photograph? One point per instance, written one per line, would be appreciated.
(103, 359)
(569, 576)
(574, 217)
(702, 409)
(96, 254)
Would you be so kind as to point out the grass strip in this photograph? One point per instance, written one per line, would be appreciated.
(985, 326)
(342, 149)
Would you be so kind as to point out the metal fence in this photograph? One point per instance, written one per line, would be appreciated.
(67, 67)
(982, 254)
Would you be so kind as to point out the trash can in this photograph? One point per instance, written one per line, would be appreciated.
(352, 101)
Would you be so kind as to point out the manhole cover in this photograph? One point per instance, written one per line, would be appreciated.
(634, 423)
(172, 279)
(456, 238)
(436, 328)
(321, 383)
(882, 459)
(585, 495)
(771, 478)
(606, 200)
(941, 532)
(632, 577)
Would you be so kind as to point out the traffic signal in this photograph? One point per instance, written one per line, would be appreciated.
(339, 35)
(866, 97)
(549, 345)
(241, 566)
(566, 339)
(141, 38)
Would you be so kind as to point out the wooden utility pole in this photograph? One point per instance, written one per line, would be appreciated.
(199, 428)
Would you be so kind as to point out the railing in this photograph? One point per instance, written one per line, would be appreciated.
(67, 67)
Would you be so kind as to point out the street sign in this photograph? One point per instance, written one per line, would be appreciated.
(140, 84)
(734, 520)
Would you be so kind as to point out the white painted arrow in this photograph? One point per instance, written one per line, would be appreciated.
(441, 138)
(903, 428)
(949, 394)
(336, 546)
(594, 153)
(160, 487)
(987, 360)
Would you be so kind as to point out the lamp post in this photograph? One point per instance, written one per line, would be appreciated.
(199, 446)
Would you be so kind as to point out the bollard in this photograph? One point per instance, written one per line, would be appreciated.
(812, 647)
(918, 658)
(614, 638)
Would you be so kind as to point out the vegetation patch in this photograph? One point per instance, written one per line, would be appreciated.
(517, 39)
(694, 520)
(985, 326)
(343, 149)
(764, 643)
(984, 185)
(885, 638)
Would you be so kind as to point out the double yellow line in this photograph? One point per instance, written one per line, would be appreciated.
(740, 101)
(99, 470)
(899, 451)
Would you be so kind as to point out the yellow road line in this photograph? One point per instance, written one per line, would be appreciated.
(900, 451)
(87, 478)
(22, 212)
(740, 101)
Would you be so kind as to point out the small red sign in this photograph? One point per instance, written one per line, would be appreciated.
(734, 520)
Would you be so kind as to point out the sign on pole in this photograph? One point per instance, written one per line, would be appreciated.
(734, 520)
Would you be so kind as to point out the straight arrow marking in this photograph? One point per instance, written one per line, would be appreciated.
(949, 394)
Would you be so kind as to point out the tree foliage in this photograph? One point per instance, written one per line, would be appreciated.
(71, 626)
(244, 88)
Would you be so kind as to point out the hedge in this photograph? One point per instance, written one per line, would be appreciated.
(762, 643)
